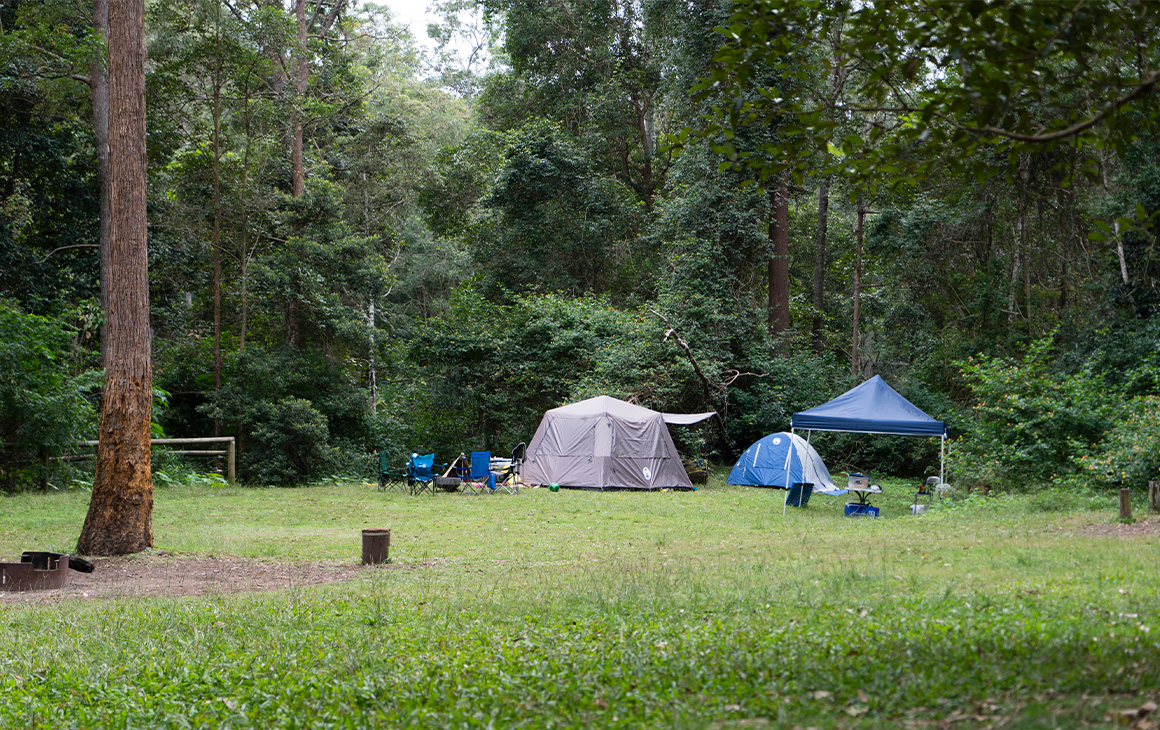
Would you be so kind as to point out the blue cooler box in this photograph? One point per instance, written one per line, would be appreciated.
(854, 509)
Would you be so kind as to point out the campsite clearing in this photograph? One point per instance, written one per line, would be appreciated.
(584, 609)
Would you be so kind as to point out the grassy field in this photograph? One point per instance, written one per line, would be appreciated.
(575, 609)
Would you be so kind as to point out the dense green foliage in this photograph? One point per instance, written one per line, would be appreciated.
(474, 245)
(44, 408)
(1029, 424)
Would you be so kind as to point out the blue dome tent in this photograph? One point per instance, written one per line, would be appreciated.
(781, 460)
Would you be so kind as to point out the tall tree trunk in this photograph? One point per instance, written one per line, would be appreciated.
(99, 93)
(988, 263)
(855, 339)
(244, 261)
(779, 259)
(372, 375)
(820, 262)
(1119, 243)
(297, 164)
(217, 225)
(120, 517)
(1013, 312)
(1023, 256)
(1120, 255)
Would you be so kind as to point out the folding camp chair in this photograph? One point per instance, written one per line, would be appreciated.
(421, 473)
(509, 478)
(799, 494)
(480, 480)
(390, 478)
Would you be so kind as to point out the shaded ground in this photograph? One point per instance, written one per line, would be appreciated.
(1142, 526)
(165, 574)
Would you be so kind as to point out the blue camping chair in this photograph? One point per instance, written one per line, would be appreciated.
(799, 494)
(480, 479)
(421, 473)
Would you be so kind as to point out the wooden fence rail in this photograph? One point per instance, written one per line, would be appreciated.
(228, 452)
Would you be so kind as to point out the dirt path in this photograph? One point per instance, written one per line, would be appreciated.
(165, 574)
(1142, 526)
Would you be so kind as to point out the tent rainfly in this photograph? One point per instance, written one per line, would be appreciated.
(605, 443)
(873, 407)
(781, 460)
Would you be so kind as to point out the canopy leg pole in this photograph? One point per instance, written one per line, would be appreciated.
(788, 486)
(942, 459)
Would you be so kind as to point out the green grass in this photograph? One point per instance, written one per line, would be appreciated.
(577, 609)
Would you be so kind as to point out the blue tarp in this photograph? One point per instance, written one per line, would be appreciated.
(770, 463)
(872, 407)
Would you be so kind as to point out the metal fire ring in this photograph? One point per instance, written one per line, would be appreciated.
(40, 571)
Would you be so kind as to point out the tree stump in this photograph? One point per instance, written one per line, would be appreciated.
(1125, 504)
(376, 545)
(1154, 496)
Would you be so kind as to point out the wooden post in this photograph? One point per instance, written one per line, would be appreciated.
(230, 461)
(44, 473)
(1154, 496)
(376, 545)
(1125, 504)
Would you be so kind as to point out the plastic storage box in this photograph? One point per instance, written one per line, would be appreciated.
(854, 509)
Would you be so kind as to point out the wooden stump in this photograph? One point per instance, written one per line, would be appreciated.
(376, 545)
(1125, 504)
(1154, 496)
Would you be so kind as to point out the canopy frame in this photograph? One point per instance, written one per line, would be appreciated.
(908, 420)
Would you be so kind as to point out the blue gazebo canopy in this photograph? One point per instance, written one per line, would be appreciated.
(872, 407)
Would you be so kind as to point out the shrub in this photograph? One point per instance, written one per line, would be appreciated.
(1030, 423)
(285, 397)
(1130, 453)
(289, 444)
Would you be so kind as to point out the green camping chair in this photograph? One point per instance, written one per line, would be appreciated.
(390, 478)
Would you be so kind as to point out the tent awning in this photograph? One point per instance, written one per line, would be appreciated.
(686, 419)
(872, 407)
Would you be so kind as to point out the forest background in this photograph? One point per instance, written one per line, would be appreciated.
(357, 244)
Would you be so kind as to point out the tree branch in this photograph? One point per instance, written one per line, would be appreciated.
(705, 385)
(1138, 91)
(62, 248)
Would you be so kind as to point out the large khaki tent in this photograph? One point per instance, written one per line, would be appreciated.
(605, 443)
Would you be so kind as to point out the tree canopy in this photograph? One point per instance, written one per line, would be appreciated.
(357, 242)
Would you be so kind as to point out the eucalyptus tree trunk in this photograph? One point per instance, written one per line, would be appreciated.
(120, 517)
(779, 258)
(217, 223)
(99, 94)
(856, 336)
(297, 162)
(820, 262)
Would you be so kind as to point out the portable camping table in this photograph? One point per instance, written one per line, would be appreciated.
(862, 508)
(863, 493)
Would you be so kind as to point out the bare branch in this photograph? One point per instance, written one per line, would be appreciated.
(705, 385)
(62, 248)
